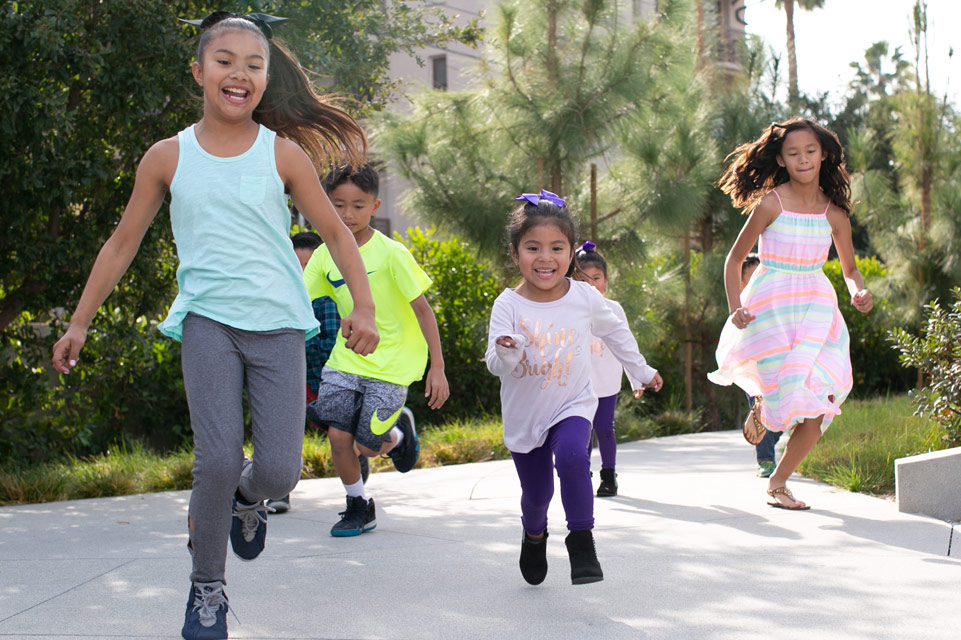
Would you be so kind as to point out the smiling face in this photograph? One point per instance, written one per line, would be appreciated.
(801, 154)
(355, 207)
(543, 255)
(233, 73)
(596, 277)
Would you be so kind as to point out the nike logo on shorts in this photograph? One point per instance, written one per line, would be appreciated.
(380, 427)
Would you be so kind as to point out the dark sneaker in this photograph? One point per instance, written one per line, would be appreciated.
(357, 519)
(364, 467)
(533, 560)
(279, 506)
(584, 565)
(405, 455)
(206, 617)
(608, 486)
(248, 529)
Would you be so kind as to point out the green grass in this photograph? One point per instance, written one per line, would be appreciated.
(858, 451)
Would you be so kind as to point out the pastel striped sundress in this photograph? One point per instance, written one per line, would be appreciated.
(795, 353)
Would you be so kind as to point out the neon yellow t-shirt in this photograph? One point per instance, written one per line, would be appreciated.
(395, 281)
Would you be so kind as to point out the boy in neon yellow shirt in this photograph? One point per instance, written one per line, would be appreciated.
(361, 398)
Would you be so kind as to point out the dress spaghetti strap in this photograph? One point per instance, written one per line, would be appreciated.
(825, 212)
(776, 195)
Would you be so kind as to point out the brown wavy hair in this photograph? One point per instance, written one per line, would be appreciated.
(292, 108)
(754, 170)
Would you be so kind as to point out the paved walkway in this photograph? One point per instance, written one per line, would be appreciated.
(689, 550)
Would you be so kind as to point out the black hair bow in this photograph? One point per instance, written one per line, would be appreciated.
(262, 20)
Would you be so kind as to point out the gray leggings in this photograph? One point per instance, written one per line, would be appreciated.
(219, 362)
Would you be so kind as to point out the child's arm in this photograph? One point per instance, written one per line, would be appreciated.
(504, 348)
(764, 214)
(154, 174)
(302, 183)
(841, 231)
(436, 388)
(619, 339)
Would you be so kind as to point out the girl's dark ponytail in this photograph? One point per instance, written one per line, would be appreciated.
(292, 108)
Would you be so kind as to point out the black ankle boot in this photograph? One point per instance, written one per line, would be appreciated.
(608, 486)
(534, 559)
(584, 565)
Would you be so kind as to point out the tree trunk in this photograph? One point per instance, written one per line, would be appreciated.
(700, 34)
(688, 346)
(593, 203)
(792, 88)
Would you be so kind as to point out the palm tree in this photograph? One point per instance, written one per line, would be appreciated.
(806, 5)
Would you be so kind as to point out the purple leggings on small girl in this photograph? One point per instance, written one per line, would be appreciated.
(566, 450)
(604, 430)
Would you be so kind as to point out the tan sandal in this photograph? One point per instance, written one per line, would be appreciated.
(785, 492)
(753, 430)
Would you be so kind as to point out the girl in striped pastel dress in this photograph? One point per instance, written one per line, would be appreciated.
(785, 342)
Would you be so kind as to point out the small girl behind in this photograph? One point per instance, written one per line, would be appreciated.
(785, 342)
(242, 312)
(539, 346)
(606, 372)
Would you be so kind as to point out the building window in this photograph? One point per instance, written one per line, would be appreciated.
(438, 72)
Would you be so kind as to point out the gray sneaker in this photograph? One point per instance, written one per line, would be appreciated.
(279, 506)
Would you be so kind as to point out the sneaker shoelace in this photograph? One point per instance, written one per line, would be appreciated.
(354, 509)
(207, 600)
(250, 518)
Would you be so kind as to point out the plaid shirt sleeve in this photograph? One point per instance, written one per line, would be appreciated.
(320, 346)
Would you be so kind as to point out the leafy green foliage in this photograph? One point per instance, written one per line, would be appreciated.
(937, 353)
(462, 295)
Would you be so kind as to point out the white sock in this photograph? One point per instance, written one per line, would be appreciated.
(397, 436)
(356, 490)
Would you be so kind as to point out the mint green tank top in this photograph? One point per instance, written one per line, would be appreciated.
(232, 229)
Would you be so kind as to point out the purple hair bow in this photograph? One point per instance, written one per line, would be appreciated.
(535, 198)
(588, 247)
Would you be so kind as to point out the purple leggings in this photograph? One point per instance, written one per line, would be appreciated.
(565, 450)
(604, 430)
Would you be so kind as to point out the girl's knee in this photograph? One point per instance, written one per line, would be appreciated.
(572, 461)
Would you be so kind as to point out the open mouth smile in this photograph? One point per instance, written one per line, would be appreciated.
(236, 95)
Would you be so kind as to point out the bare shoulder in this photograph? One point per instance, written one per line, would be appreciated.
(160, 160)
(768, 209)
(837, 217)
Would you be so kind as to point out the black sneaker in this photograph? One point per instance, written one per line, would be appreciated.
(533, 560)
(405, 455)
(248, 529)
(357, 519)
(584, 565)
(364, 467)
(206, 617)
(608, 486)
(279, 506)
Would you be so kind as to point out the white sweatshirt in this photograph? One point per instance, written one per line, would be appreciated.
(547, 378)
(606, 369)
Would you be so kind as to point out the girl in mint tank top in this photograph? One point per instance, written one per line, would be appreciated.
(785, 342)
(242, 314)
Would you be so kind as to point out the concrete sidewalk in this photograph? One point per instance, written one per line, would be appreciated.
(689, 550)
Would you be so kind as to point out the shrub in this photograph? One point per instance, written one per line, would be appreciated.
(876, 368)
(937, 353)
(462, 295)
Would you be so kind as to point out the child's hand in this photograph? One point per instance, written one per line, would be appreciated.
(656, 383)
(66, 351)
(360, 330)
(507, 342)
(863, 301)
(741, 317)
(436, 388)
(638, 393)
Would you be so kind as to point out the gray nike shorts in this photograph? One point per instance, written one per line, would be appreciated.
(364, 407)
